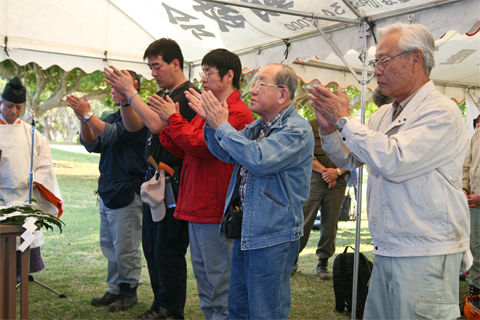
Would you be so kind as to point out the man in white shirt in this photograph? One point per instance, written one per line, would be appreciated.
(414, 149)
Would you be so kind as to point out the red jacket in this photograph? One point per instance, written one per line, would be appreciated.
(205, 179)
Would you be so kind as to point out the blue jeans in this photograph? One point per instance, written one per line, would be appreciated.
(211, 253)
(260, 281)
(120, 236)
(474, 273)
(414, 288)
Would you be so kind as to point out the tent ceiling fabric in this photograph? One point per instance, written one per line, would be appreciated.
(93, 33)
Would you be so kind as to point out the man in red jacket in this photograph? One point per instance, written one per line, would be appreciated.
(205, 179)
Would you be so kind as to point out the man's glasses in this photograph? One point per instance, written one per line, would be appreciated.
(206, 74)
(381, 64)
(258, 84)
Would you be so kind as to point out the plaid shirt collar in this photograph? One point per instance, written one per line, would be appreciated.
(266, 126)
(264, 129)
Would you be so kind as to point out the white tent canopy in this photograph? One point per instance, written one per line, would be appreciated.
(93, 33)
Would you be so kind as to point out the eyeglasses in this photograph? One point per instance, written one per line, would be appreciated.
(206, 74)
(381, 63)
(258, 84)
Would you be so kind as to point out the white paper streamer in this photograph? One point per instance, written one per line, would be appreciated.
(28, 236)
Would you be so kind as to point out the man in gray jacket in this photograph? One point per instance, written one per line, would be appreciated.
(414, 149)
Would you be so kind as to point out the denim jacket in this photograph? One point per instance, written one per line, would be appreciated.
(278, 183)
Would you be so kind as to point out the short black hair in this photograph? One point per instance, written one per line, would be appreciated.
(167, 48)
(224, 60)
(135, 77)
(475, 121)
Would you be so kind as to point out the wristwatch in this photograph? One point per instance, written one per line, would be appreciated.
(342, 122)
(339, 172)
(87, 116)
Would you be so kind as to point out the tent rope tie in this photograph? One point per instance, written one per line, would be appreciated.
(6, 47)
(371, 26)
(287, 43)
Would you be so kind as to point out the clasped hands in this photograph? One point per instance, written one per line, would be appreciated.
(207, 106)
(330, 176)
(329, 106)
(124, 86)
(79, 106)
(473, 199)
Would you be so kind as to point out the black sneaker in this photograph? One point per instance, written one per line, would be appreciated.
(322, 270)
(107, 299)
(149, 314)
(128, 297)
(165, 314)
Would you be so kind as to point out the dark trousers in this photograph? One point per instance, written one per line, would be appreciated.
(165, 245)
(329, 201)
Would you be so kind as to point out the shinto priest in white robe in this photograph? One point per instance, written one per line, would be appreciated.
(15, 143)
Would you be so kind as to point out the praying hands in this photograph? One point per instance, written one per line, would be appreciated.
(208, 107)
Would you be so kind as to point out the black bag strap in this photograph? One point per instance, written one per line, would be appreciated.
(346, 248)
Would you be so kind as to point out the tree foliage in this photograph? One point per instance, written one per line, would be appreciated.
(47, 89)
(302, 103)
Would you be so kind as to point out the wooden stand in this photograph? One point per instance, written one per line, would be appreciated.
(8, 277)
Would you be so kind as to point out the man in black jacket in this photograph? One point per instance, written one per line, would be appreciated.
(164, 242)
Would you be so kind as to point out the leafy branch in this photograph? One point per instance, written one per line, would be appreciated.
(26, 210)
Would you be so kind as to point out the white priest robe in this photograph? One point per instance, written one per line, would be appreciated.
(15, 143)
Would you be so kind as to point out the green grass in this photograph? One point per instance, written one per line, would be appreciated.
(76, 267)
(59, 155)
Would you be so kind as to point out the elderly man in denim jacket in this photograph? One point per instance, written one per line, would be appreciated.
(414, 148)
(273, 160)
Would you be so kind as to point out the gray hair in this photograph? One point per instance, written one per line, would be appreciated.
(286, 77)
(414, 37)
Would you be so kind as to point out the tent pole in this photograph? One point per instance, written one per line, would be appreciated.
(337, 52)
(190, 71)
(358, 196)
(261, 48)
